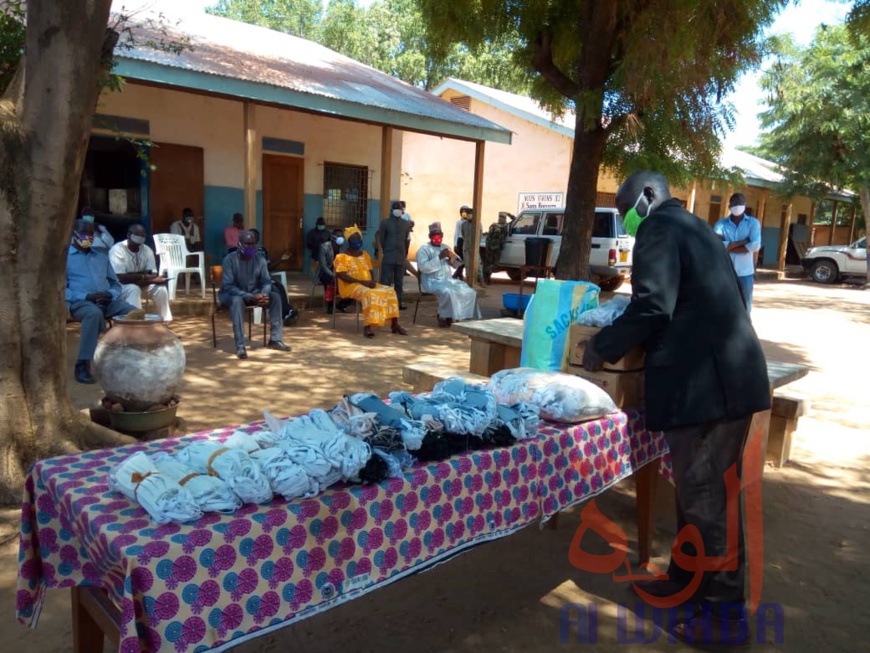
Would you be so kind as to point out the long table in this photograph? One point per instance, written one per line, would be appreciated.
(215, 583)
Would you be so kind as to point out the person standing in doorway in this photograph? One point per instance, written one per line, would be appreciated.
(741, 234)
(390, 248)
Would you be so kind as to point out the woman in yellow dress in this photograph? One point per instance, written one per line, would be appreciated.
(354, 272)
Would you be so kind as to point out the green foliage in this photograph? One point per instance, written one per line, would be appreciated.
(12, 29)
(388, 35)
(650, 73)
(297, 17)
(817, 119)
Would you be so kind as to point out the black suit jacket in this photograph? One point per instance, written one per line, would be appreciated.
(703, 360)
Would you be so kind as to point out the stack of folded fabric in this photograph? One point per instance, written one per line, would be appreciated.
(211, 493)
(137, 478)
(234, 466)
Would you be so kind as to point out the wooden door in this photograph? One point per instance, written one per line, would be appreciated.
(282, 207)
(177, 182)
(715, 213)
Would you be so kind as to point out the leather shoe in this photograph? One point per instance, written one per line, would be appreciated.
(242, 353)
(278, 345)
(83, 372)
(403, 306)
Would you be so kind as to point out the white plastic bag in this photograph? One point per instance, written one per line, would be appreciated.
(560, 397)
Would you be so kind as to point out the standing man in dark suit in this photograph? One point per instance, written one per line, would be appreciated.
(705, 377)
(390, 248)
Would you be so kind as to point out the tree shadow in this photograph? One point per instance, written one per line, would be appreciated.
(510, 595)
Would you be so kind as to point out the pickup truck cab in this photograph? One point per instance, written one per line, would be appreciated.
(609, 261)
(830, 263)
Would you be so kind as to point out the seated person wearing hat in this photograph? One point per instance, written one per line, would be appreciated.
(435, 263)
(354, 272)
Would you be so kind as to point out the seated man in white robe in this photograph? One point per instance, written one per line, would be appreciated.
(435, 261)
(134, 264)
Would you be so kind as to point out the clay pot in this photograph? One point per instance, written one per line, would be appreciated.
(139, 363)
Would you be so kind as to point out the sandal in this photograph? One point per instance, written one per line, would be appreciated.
(368, 332)
(399, 330)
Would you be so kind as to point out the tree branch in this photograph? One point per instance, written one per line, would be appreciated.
(542, 61)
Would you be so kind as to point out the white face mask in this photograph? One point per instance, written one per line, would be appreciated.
(139, 240)
(738, 209)
(397, 213)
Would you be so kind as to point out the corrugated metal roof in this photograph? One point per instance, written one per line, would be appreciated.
(241, 60)
(518, 105)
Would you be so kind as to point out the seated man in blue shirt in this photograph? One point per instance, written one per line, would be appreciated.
(92, 294)
(741, 234)
(246, 282)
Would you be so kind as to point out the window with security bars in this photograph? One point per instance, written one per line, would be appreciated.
(345, 195)
(607, 200)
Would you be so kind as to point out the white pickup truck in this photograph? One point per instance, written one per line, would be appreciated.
(609, 261)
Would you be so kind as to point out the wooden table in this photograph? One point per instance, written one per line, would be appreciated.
(496, 345)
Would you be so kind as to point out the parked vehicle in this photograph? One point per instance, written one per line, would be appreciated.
(609, 261)
(830, 263)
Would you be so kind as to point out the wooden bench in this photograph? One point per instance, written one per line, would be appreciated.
(423, 376)
(784, 414)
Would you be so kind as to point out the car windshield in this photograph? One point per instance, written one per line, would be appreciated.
(861, 244)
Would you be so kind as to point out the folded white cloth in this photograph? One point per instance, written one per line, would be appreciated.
(247, 442)
(286, 478)
(234, 466)
(210, 492)
(163, 499)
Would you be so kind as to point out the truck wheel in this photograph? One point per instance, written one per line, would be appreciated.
(609, 284)
(825, 271)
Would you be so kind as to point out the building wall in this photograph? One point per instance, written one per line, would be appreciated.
(438, 173)
(217, 126)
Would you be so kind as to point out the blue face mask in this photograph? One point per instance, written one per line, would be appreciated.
(354, 244)
(248, 252)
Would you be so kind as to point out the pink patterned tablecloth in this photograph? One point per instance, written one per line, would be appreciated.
(211, 584)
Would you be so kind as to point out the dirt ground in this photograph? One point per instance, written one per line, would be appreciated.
(510, 595)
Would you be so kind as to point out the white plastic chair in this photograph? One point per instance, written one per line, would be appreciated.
(173, 254)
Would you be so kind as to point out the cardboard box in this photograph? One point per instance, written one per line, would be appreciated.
(577, 334)
(625, 388)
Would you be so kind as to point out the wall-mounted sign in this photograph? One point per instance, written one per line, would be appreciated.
(540, 201)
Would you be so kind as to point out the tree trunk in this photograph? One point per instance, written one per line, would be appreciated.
(580, 203)
(597, 20)
(46, 120)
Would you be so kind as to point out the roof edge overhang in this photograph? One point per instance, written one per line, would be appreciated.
(191, 80)
(456, 85)
(840, 196)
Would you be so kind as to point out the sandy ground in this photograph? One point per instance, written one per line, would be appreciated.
(510, 595)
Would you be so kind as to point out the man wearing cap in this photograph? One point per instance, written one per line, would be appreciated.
(456, 300)
(741, 234)
(187, 227)
(134, 264)
(390, 248)
(316, 237)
